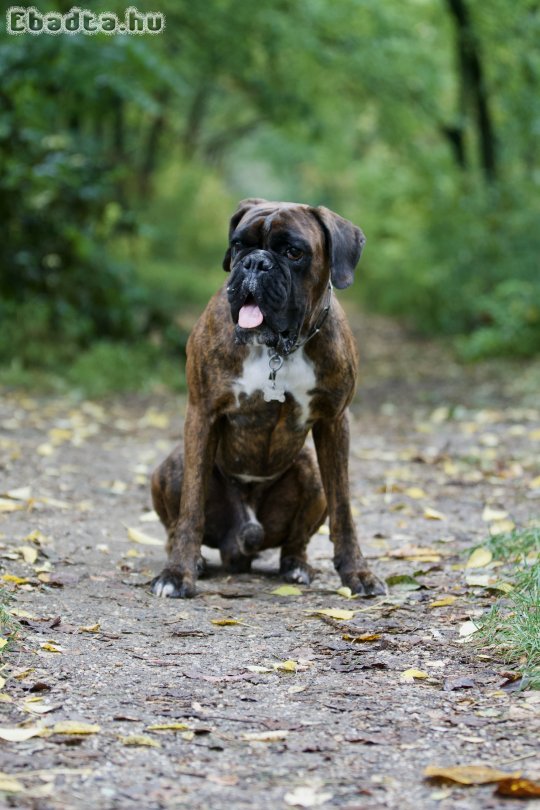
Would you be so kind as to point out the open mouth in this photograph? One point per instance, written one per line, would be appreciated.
(250, 316)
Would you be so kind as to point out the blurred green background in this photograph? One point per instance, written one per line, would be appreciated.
(122, 158)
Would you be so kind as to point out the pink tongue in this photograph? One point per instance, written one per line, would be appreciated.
(250, 316)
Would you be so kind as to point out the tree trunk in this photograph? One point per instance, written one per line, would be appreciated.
(473, 85)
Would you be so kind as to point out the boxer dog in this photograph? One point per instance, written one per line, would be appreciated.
(271, 359)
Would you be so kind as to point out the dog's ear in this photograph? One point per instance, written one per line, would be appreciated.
(243, 207)
(344, 243)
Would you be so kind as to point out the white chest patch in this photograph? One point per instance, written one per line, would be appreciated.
(296, 377)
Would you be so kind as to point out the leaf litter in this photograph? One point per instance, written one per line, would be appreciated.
(342, 687)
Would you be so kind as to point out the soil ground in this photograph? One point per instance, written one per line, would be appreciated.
(433, 444)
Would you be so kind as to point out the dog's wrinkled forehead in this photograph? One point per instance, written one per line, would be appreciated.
(267, 225)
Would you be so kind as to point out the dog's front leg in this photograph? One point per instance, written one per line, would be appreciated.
(184, 543)
(332, 443)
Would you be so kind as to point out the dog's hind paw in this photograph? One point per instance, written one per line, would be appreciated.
(296, 571)
(364, 583)
(173, 584)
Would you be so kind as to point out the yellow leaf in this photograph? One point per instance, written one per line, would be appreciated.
(225, 622)
(2, 682)
(89, 628)
(7, 505)
(50, 646)
(479, 558)
(29, 554)
(168, 727)
(3, 642)
(23, 614)
(345, 591)
(535, 483)
(140, 740)
(413, 674)
(361, 639)
(469, 774)
(336, 613)
(433, 514)
(534, 435)
(153, 418)
(20, 676)
(286, 666)
(416, 493)
(416, 553)
(287, 590)
(144, 539)
(444, 601)
(74, 727)
(132, 552)
(45, 449)
(19, 733)
(16, 580)
(502, 527)
(489, 514)
(9, 784)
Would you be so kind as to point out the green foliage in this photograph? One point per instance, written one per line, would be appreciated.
(512, 626)
(123, 157)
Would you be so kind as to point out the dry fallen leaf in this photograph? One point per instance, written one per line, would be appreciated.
(489, 514)
(286, 666)
(362, 638)
(469, 774)
(413, 674)
(444, 601)
(50, 646)
(225, 622)
(479, 558)
(336, 613)
(19, 733)
(467, 629)
(345, 592)
(29, 554)
(90, 628)
(259, 670)
(287, 590)
(144, 539)
(519, 788)
(168, 727)
(15, 579)
(306, 796)
(433, 514)
(73, 727)
(265, 736)
(140, 740)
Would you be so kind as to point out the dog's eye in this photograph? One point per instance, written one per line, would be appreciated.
(235, 247)
(294, 253)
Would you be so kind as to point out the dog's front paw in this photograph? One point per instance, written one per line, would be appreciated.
(174, 584)
(297, 571)
(363, 582)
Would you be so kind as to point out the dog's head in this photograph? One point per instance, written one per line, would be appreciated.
(281, 257)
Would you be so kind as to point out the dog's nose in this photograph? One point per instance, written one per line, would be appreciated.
(257, 261)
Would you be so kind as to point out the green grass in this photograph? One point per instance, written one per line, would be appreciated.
(8, 625)
(104, 368)
(512, 626)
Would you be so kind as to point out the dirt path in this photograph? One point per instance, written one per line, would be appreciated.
(433, 444)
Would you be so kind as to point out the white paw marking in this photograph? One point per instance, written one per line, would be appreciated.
(300, 576)
(163, 588)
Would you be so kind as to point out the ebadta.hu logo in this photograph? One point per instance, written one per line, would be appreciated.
(28, 20)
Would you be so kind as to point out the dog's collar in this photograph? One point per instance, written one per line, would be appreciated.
(276, 359)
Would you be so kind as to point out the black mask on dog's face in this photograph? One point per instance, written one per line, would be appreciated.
(281, 257)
